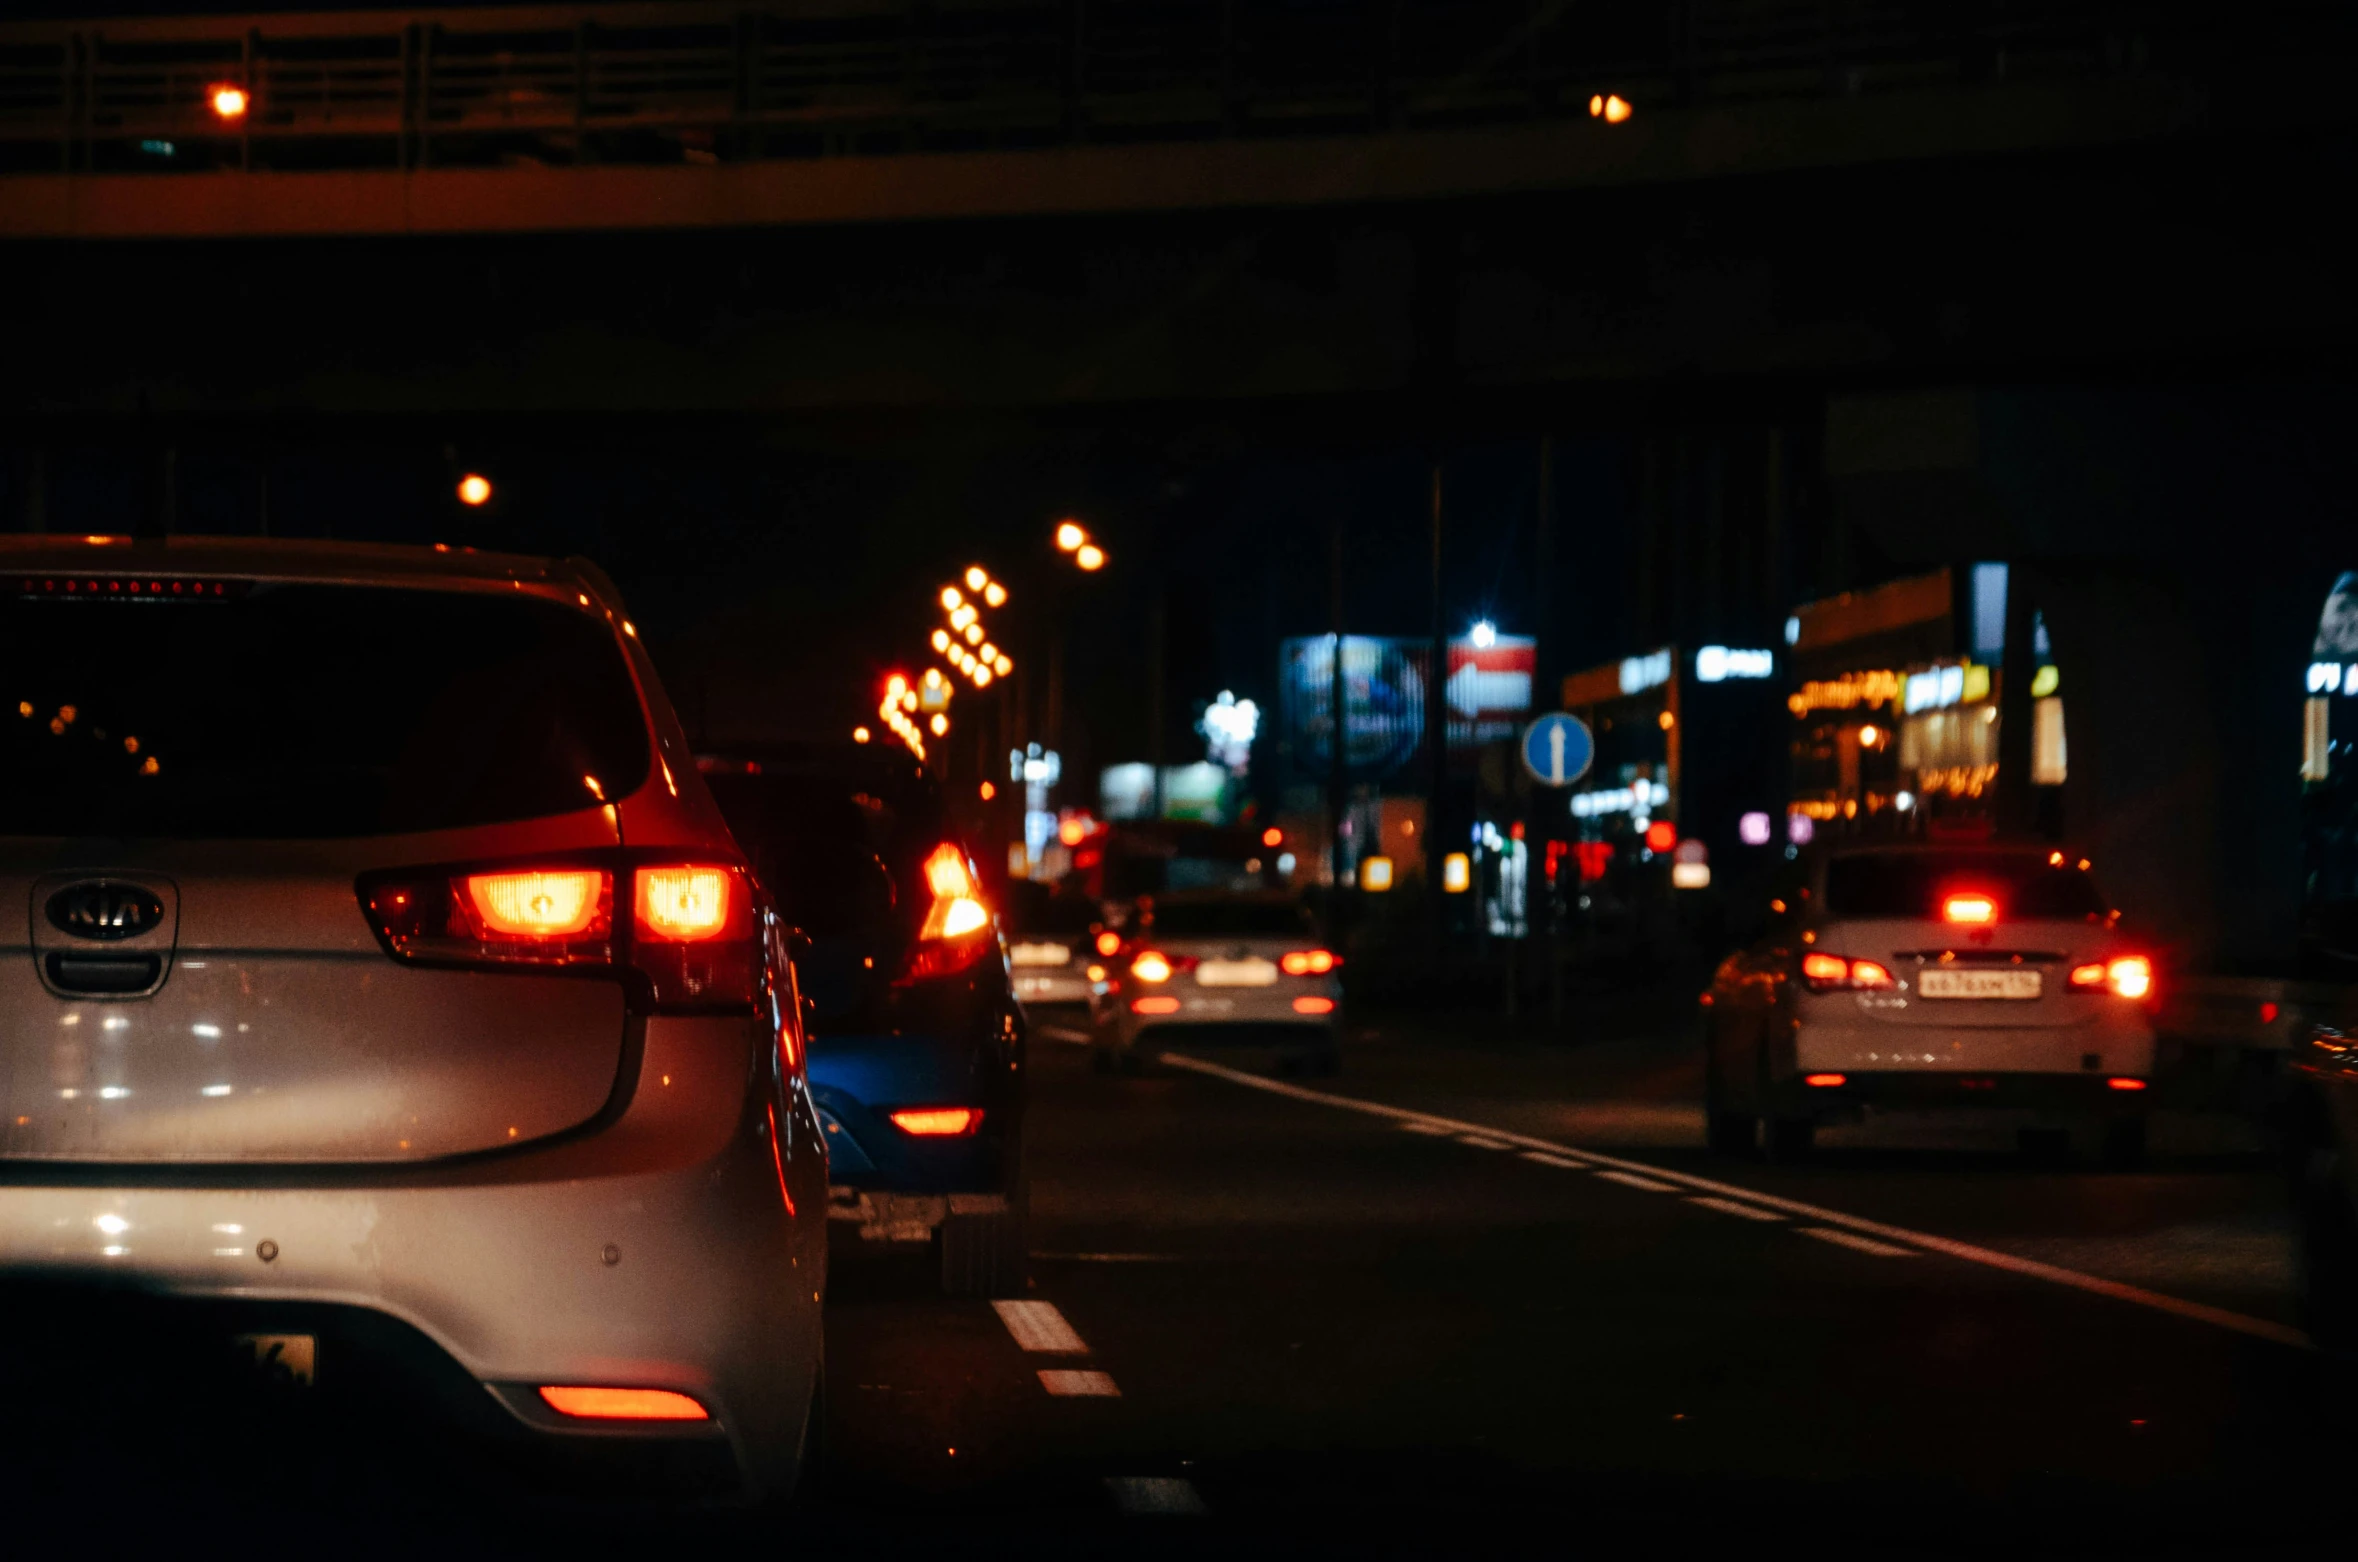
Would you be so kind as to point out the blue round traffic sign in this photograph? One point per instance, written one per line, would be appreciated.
(1557, 749)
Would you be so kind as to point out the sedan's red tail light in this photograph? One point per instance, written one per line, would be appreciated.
(1826, 973)
(621, 1404)
(1971, 910)
(690, 944)
(1309, 962)
(2126, 976)
(956, 932)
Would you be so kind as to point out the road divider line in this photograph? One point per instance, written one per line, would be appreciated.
(1643, 1184)
(1562, 1162)
(1731, 1207)
(1155, 1497)
(1039, 1327)
(1922, 1241)
(1479, 1142)
(1855, 1242)
(1069, 1384)
(1433, 1129)
(1064, 1033)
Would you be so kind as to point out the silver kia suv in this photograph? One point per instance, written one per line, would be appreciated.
(377, 976)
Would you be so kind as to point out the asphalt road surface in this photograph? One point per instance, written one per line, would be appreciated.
(1473, 1292)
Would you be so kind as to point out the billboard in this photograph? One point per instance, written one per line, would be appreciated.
(1488, 693)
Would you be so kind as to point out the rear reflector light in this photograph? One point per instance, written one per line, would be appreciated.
(1824, 973)
(1314, 1006)
(1151, 967)
(1309, 962)
(622, 1404)
(2126, 1084)
(1972, 910)
(1824, 1081)
(938, 1122)
(1154, 1006)
(538, 905)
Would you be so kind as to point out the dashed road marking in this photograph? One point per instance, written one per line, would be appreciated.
(1922, 1241)
(1854, 1241)
(1731, 1207)
(1069, 1384)
(1564, 1162)
(1632, 1180)
(1481, 1143)
(1038, 1326)
(1433, 1129)
(1064, 1033)
(1155, 1496)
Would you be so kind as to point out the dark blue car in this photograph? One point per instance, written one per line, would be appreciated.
(916, 1039)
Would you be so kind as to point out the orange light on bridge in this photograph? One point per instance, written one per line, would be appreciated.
(229, 100)
(474, 490)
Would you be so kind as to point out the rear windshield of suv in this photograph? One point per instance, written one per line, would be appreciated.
(1230, 919)
(297, 711)
(1913, 884)
(843, 858)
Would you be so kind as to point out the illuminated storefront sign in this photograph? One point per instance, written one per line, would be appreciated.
(1848, 692)
(1716, 663)
(1639, 673)
(1637, 797)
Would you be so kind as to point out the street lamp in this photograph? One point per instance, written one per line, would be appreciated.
(228, 100)
(1089, 556)
(1069, 536)
(474, 490)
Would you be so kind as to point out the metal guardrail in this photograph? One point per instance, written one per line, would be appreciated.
(686, 83)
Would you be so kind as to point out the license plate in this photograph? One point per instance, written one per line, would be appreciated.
(1947, 982)
(1235, 973)
(1037, 984)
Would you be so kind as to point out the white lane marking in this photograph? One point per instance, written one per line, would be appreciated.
(1064, 1033)
(1038, 1326)
(1155, 1496)
(1632, 1180)
(1481, 1143)
(1069, 1384)
(2031, 1268)
(1853, 1240)
(1542, 1158)
(1435, 1129)
(1731, 1207)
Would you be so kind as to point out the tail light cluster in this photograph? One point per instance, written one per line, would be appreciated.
(1829, 973)
(956, 931)
(1309, 962)
(688, 943)
(2125, 976)
(1152, 965)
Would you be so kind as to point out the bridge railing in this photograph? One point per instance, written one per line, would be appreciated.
(718, 82)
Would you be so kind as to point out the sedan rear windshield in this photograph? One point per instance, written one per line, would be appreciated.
(842, 858)
(307, 711)
(1230, 919)
(1914, 884)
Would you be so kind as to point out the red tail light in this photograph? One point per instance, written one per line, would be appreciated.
(1826, 973)
(2125, 1083)
(1309, 962)
(938, 1122)
(622, 1404)
(1154, 1006)
(956, 932)
(1109, 943)
(1825, 1081)
(2127, 976)
(690, 944)
(1151, 966)
(1314, 1006)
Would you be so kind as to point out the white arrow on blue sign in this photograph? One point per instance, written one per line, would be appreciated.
(1557, 749)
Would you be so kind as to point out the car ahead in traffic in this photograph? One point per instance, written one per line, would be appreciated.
(2320, 1139)
(1210, 968)
(380, 982)
(916, 1039)
(1053, 935)
(1932, 976)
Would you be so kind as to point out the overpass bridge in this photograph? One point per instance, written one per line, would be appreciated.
(592, 116)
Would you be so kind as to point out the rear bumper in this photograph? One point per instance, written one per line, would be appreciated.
(1928, 1090)
(859, 1081)
(1214, 1014)
(659, 1252)
(2113, 1041)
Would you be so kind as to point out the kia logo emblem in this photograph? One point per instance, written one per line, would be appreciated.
(104, 911)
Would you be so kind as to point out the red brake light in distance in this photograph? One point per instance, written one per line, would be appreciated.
(1867, 973)
(2124, 1083)
(1970, 910)
(2088, 976)
(1824, 972)
(1308, 962)
(1109, 943)
(1824, 1081)
(1314, 1006)
(557, 903)
(938, 1122)
(622, 1404)
(2131, 976)
(948, 941)
(1154, 1005)
(1151, 966)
